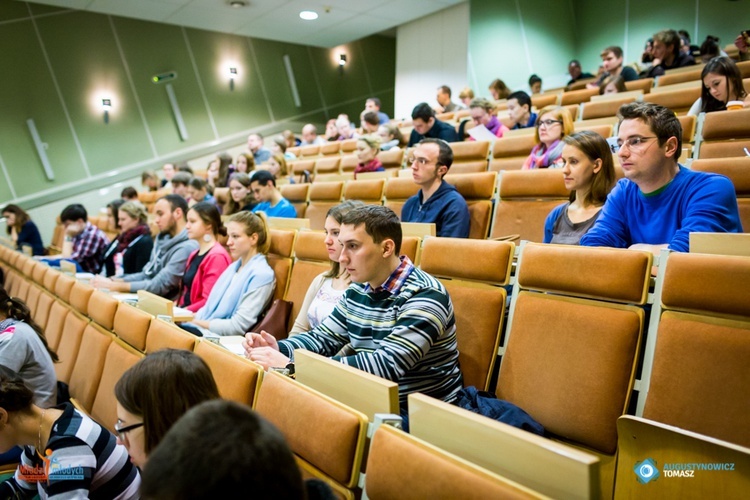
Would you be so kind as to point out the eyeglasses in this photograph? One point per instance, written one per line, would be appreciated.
(121, 431)
(547, 123)
(421, 161)
(636, 143)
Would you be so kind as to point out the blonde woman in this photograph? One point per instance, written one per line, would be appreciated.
(368, 147)
(553, 124)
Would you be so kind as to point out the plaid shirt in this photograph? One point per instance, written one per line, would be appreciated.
(89, 247)
(395, 281)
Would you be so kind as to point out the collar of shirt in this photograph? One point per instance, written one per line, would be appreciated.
(396, 280)
(87, 230)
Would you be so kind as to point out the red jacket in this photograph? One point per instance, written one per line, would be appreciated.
(214, 263)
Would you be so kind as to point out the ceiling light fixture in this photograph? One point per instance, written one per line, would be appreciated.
(308, 15)
(237, 4)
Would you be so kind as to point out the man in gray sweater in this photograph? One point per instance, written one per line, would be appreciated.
(162, 275)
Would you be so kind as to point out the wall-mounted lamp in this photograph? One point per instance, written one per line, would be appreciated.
(342, 63)
(232, 76)
(106, 106)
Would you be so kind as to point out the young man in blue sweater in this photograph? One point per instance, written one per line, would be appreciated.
(660, 202)
(397, 319)
(437, 201)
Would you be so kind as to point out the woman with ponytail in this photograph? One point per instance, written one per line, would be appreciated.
(24, 349)
(245, 288)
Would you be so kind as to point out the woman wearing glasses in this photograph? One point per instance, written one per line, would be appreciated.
(589, 175)
(65, 453)
(553, 124)
(154, 393)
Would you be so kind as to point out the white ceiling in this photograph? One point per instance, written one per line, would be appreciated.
(339, 21)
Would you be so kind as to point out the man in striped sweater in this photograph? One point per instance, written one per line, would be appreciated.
(397, 319)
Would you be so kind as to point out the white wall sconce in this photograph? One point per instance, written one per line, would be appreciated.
(106, 106)
(232, 76)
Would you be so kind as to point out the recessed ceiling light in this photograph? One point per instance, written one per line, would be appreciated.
(308, 15)
(237, 4)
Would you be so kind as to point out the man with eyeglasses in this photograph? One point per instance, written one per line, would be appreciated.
(660, 202)
(437, 201)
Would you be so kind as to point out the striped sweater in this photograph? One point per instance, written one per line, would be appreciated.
(86, 462)
(406, 334)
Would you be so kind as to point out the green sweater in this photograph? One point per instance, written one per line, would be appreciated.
(408, 336)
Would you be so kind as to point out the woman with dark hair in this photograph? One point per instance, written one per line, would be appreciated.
(589, 175)
(154, 393)
(722, 83)
(24, 349)
(613, 84)
(88, 463)
(205, 265)
(327, 288)
(244, 289)
(131, 250)
(498, 89)
(22, 229)
(245, 164)
(218, 170)
(240, 195)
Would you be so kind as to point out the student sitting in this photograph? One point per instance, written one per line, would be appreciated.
(269, 198)
(368, 147)
(163, 273)
(22, 230)
(612, 61)
(660, 202)
(88, 463)
(722, 82)
(483, 113)
(154, 393)
(84, 242)
(327, 288)
(397, 319)
(205, 265)
(554, 123)
(24, 349)
(613, 85)
(437, 201)
(180, 185)
(129, 194)
(198, 192)
(240, 194)
(519, 110)
(240, 452)
(245, 288)
(589, 176)
(390, 137)
(426, 125)
(130, 251)
(667, 54)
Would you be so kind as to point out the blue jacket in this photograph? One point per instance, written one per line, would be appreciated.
(446, 208)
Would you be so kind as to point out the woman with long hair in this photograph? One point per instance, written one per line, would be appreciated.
(326, 288)
(391, 137)
(722, 83)
(88, 463)
(368, 147)
(240, 195)
(24, 349)
(154, 393)
(131, 250)
(553, 124)
(205, 265)
(245, 288)
(589, 175)
(22, 229)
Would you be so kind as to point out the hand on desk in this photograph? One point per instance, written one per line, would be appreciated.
(101, 282)
(263, 349)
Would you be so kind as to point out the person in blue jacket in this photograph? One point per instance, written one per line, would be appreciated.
(268, 196)
(22, 230)
(660, 202)
(437, 201)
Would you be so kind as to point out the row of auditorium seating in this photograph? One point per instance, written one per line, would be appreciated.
(542, 368)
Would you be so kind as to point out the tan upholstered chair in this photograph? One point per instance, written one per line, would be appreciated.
(540, 101)
(55, 323)
(367, 191)
(102, 309)
(678, 100)
(79, 297)
(280, 258)
(63, 287)
(308, 151)
(509, 153)
(236, 377)
(723, 134)
(39, 272)
(469, 156)
(478, 190)
(69, 344)
(330, 148)
(573, 337)
(397, 191)
(644, 85)
(32, 298)
(296, 194)
(475, 284)
(604, 108)
(119, 358)
(525, 200)
(349, 162)
(577, 96)
(333, 450)
(397, 458)
(391, 159)
(87, 372)
(327, 165)
(43, 307)
(310, 260)
(163, 335)
(348, 146)
(323, 196)
(131, 325)
(738, 171)
(670, 78)
(50, 280)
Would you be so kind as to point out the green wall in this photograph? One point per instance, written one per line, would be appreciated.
(556, 32)
(58, 64)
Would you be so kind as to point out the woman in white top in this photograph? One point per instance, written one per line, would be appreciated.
(327, 288)
(722, 83)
